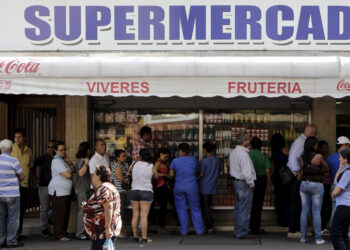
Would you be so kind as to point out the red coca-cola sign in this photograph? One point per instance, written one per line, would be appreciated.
(343, 86)
(18, 66)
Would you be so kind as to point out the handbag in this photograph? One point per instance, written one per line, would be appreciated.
(286, 175)
(108, 245)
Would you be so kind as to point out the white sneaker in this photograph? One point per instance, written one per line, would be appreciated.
(64, 239)
(303, 240)
(320, 242)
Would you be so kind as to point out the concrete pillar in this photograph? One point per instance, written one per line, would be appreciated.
(324, 117)
(3, 120)
(76, 132)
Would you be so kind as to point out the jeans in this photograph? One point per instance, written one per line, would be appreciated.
(243, 206)
(258, 202)
(281, 200)
(9, 219)
(44, 208)
(340, 228)
(311, 193)
(23, 206)
(294, 206)
(326, 210)
(205, 204)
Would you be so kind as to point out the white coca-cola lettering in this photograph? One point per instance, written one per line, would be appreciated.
(343, 86)
(17, 67)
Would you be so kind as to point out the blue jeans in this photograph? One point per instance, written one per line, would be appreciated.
(9, 219)
(243, 207)
(311, 193)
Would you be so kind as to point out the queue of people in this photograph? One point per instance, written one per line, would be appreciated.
(102, 188)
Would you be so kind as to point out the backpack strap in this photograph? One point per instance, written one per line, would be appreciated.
(341, 175)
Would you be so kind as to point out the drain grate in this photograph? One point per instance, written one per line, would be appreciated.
(217, 240)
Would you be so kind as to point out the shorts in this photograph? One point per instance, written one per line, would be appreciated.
(139, 195)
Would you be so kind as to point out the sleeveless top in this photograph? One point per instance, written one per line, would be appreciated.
(312, 172)
(164, 169)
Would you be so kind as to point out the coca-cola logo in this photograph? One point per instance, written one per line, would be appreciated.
(18, 66)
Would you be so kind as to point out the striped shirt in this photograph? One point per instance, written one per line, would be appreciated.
(125, 168)
(9, 169)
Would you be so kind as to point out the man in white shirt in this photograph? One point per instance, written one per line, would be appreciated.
(295, 154)
(242, 169)
(99, 158)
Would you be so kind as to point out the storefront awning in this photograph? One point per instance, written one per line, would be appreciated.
(177, 76)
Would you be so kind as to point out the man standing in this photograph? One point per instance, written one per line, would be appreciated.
(10, 172)
(242, 169)
(44, 164)
(143, 142)
(295, 154)
(25, 156)
(99, 158)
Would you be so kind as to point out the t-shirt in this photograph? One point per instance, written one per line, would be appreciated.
(260, 162)
(344, 197)
(83, 182)
(142, 176)
(26, 161)
(333, 163)
(124, 167)
(185, 168)
(60, 184)
(210, 168)
(97, 160)
(9, 169)
(94, 217)
(44, 164)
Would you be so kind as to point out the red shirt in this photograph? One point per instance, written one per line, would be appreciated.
(164, 169)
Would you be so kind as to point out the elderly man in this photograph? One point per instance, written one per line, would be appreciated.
(295, 154)
(99, 158)
(242, 169)
(10, 174)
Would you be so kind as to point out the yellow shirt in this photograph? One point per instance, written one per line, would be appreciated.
(26, 160)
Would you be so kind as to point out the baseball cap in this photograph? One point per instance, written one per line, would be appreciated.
(343, 140)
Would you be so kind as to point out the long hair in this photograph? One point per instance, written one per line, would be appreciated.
(277, 142)
(82, 150)
(309, 150)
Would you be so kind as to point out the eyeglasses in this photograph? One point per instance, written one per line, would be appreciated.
(50, 147)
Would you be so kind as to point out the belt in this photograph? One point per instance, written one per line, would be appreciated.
(239, 180)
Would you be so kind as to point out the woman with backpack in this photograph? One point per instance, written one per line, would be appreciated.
(311, 189)
(341, 194)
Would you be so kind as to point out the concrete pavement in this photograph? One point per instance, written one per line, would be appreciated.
(219, 240)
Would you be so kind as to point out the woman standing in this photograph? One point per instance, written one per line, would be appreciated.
(162, 191)
(60, 189)
(279, 159)
(184, 168)
(119, 179)
(102, 217)
(208, 183)
(141, 196)
(82, 187)
(341, 193)
(313, 167)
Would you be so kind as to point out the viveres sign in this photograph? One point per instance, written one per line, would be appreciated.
(174, 25)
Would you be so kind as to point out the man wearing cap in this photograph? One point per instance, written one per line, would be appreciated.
(333, 161)
(10, 175)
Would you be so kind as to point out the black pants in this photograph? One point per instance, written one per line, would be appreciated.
(294, 207)
(340, 228)
(205, 205)
(23, 205)
(61, 211)
(258, 202)
(98, 244)
(162, 197)
(326, 211)
(281, 201)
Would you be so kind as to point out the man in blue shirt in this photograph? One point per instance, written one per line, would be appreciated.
(333, 160)
(10, 175)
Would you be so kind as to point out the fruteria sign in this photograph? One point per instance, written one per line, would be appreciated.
(51, 25)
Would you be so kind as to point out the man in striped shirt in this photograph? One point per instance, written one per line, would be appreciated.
(10, 176)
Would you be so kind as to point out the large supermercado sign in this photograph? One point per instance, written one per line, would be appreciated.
(175, 25)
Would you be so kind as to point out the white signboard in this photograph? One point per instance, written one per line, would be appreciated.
(105, 25)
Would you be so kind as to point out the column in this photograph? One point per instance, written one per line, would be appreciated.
(3, 120)
(324, 117)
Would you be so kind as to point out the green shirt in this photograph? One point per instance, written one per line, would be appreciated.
(260, 162)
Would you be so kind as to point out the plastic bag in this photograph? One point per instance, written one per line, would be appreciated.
(108, 245)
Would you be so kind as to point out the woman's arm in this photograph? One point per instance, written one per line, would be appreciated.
(67, 174)
(155, 172)
(108, 210)
(82, 171)
(336, 191)
(171, 173)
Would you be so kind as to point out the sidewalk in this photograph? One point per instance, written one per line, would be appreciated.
(220, 240)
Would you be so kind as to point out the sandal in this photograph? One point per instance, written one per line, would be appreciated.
(146, 241)
(136, 239)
